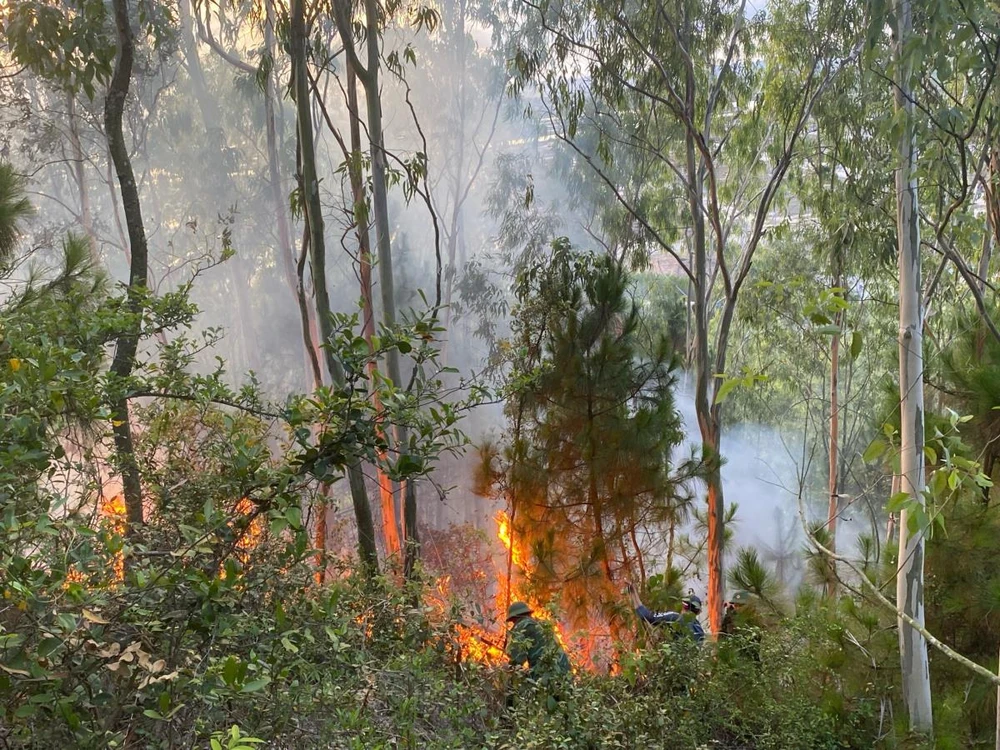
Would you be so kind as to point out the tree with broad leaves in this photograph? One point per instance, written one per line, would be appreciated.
(698, 112)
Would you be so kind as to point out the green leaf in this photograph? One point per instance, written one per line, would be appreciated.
(231, 671)
(725, 389)
(28, 709)
(404, 347)
(857, 344)
(953, 479)
(897, 502)
(875, 451)
(255, 686)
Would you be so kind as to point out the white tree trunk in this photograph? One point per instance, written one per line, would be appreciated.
(910, 572)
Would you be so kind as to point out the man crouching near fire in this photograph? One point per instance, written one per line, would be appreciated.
(532, 643)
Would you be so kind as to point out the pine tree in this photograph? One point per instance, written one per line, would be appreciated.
(598, 426)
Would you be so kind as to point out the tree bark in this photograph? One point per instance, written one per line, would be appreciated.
(459, 163)
(317, 245)
(707, 422)
(910, 572)
(992, 229)
(390, 529)
(128, 340)
(384, 245)
(286, 248)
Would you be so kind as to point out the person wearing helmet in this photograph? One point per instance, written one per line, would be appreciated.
(532, 643)
(685, 621)
(742, 626)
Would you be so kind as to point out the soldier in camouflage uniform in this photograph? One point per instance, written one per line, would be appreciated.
(530, 642)
(742, 627)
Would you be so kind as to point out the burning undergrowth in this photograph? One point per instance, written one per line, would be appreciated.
(477, 576)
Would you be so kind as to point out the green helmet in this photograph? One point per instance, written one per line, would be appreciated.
(692, 603)
(517, 609)
(740, 597)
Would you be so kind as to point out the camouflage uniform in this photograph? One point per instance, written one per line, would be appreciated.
(531, 642)
(742, 628)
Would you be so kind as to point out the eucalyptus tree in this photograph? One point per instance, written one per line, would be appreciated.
(40, 37)
(309, 188)
(910, 577)
(707, 105)
(945, 109)
(363, 46)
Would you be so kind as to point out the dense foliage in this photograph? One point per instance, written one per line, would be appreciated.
(710, 286)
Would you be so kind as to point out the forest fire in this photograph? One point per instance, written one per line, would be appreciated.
(112, 512)
(249, 534)
(111, 516)
(508, 589)
(486, 644)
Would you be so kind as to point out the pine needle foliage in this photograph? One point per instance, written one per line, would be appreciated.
(15, 209)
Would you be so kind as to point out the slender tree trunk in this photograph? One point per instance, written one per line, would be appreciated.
(689, 343)
(386, 278)
(286, 249)
(314, 220)
(459, 163)
(208, 104)
(910, 573)
(638, 554)
(833, 510)
(707, 422)
(80, 174)
(992, 230)
(389, 528)
(128, 341)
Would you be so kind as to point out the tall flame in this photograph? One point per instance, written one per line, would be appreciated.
(485, 644)
(509, 589)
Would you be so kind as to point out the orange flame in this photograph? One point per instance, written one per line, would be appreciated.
(250, 537)
(509, 591)
(113, 516)
(485, 645)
